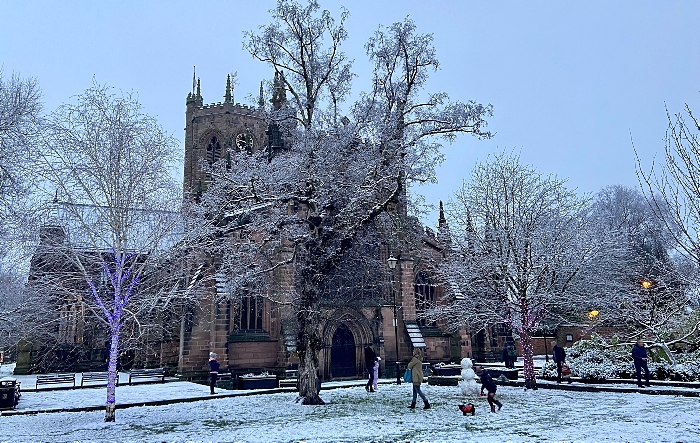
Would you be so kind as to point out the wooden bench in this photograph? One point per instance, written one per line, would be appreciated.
(102, 377)
(290, 380)
(288, 383)
(224, 376)
(54, 379)
(146, 374)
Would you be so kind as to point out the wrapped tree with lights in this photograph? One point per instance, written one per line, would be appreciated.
(107, 170)
(121, 287)
(523, 242)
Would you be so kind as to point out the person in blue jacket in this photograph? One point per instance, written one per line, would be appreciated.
(213, 372)
(639, 354)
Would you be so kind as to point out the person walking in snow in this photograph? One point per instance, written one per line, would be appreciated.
(488, 384)
(639, 354)
(213, 372)
(416, 367)
(370, 360)
(559, 358)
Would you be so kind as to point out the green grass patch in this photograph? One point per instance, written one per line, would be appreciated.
(160, 428)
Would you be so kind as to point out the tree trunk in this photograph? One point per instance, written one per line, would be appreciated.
(308, 378)
(112, 373)
(309, 344)
(528, 363)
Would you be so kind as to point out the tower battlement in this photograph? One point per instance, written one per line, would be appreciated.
(215, 131)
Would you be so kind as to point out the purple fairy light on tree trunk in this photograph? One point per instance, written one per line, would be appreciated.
(122, 284)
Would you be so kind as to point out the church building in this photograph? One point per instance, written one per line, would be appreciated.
(254, 333)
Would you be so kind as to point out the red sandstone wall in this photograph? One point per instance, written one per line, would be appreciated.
(258, 355)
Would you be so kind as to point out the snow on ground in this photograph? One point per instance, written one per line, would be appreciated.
(353, 415)
(29, 381)
(44, 400)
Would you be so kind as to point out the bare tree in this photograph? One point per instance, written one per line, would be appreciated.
(309, 208)
(109, 164)
(672, 190)
(519, 242)
(305, 48)
(20, 128)
(673, 193)
(21, 314)
(639, 286)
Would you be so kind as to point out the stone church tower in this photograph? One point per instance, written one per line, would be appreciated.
(213, 131)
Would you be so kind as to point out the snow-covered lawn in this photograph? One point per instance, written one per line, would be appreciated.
(353, 415)
(46, 400)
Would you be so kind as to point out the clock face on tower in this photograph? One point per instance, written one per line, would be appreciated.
(244, 142)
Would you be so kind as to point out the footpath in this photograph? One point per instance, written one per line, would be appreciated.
(62, 399)
(682, 389)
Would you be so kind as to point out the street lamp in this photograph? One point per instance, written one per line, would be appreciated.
(648, 285)
(391, 261)
(544, 336)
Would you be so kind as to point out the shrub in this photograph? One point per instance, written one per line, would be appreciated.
(596, 360)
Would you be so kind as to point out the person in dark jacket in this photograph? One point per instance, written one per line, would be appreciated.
(559, 358)
(508, 356)
(213, 372)
(639, 354)
(488, 384)
(370, 359)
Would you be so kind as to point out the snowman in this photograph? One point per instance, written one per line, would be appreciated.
(468, 385)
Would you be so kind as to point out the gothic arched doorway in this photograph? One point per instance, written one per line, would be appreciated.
(479, 346)
(343, 362)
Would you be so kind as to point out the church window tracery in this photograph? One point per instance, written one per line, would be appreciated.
(249, 316)
(424, 293)
(213, 150)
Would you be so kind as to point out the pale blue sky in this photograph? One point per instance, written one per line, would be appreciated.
(570, 83)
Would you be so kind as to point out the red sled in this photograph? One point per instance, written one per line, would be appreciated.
(565, 371)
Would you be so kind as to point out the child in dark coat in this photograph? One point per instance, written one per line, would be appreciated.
(488, 384)
(213, 372)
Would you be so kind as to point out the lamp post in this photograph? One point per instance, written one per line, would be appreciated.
(391, 261)
(546, 330)
(648, 285)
